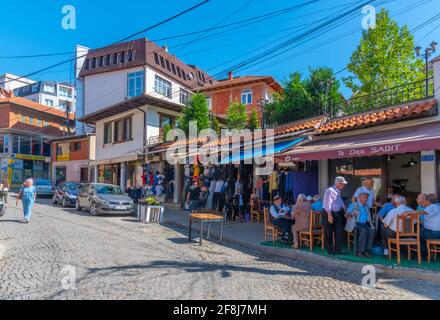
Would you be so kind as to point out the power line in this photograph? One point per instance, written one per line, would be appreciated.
(122, 40)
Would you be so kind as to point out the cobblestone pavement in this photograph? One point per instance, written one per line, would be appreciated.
(117, 258)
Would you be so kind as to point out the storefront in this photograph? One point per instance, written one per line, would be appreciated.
(404, 160)
(118, 172)
(22, 166)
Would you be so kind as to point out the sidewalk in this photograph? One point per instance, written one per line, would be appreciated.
(251, 235)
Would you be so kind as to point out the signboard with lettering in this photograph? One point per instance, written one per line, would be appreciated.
(427, 158)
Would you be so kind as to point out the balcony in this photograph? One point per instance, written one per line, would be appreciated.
(406, 93)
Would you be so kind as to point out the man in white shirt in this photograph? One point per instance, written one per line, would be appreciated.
(390, 222)
(431, 225)
(367, 187)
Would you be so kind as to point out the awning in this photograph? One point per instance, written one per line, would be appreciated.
(128, 158)
(261, 152)
(414, 139)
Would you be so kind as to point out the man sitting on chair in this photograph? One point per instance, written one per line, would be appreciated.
(279, 212)
(390, 222)
(359, 219)
(431, 224)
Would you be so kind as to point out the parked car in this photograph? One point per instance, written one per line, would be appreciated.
(100, 198)
(66, 193)
(43, 187)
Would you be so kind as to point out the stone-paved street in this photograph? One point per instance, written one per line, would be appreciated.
(118, 258)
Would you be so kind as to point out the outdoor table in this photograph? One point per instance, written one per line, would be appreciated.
(205, 218)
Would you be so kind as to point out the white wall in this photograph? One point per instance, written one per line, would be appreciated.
(175, 87)
(105, 89)
(112, 151)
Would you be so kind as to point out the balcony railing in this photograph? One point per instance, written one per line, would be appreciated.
(154, 140)
(362, 103)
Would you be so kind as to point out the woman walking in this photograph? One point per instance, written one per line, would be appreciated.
(27, 196)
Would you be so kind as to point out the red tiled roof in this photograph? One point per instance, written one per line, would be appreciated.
(36, 106)
(48, 131)
(299, 125)
(380, 116)
(240, 81)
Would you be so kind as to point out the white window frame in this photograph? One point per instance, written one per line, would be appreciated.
(246, 96)
(137, 78)
(48, 85)
(163, 86)
(48, 104)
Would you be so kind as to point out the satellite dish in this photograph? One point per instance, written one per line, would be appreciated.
(190, 76)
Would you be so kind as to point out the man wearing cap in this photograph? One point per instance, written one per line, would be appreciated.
(359, 219)
(367, 187)
(279, 212)
(334, 209)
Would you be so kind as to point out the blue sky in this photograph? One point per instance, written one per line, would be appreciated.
(34, 27)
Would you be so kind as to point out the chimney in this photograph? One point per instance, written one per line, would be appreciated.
(230, 75)
(165, 48)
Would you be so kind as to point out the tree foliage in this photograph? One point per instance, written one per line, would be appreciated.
(236, 117)
(196, 110)
(254, 121)
(384, 59)
(304, 98)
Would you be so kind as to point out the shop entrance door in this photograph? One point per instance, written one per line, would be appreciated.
(84, 175)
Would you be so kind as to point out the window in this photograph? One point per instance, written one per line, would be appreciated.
(173, 67)
(6, 143)
(184, 96)
(168, 65)
(101, 61)
(93, 63)
(63, 105)
(162, 86)
(122, 58)
(209, 102)
(36, 147)
(135, 84)
(162, 62)
(48, 102)
(45, 123)
(65, 92)
(122, 130)
(115, 58)
(31, 120)
(76, 146)
(46, 149)
(108, 59)
(87, 64)
(156, 58)
(39, 122)
(165, 120)
(25, 145)
(246, 96)
(178, 72)
(49, 88)
(63, 151)
(16, 144)
(107, 133)
(23, 119)
(131, 54)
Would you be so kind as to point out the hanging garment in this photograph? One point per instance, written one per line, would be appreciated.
(273, 181)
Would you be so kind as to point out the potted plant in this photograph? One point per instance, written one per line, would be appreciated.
(152, 211)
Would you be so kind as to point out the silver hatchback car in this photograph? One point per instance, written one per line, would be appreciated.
(100, 198)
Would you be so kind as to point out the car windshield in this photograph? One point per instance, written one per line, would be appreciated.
(73, 186)
(112, 190)
(43, 183)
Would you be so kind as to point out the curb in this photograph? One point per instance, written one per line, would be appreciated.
(2, 250)
(394, 271)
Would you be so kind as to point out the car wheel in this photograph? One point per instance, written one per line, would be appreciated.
(77, 205)
(64, 202)
(93, 210)
(54, 199)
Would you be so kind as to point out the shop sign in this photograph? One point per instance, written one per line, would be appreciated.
(369, 151)
(427, 158)
(63, 158)
(28, 157)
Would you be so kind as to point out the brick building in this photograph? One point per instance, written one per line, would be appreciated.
(25, 127)
(252, 91)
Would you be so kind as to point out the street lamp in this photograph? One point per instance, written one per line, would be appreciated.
(428, 52)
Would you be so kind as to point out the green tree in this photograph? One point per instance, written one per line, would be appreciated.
(254, 122)
(236, 117)
(324, 90)
(384, 59)
(196, 110)
(216, 126)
